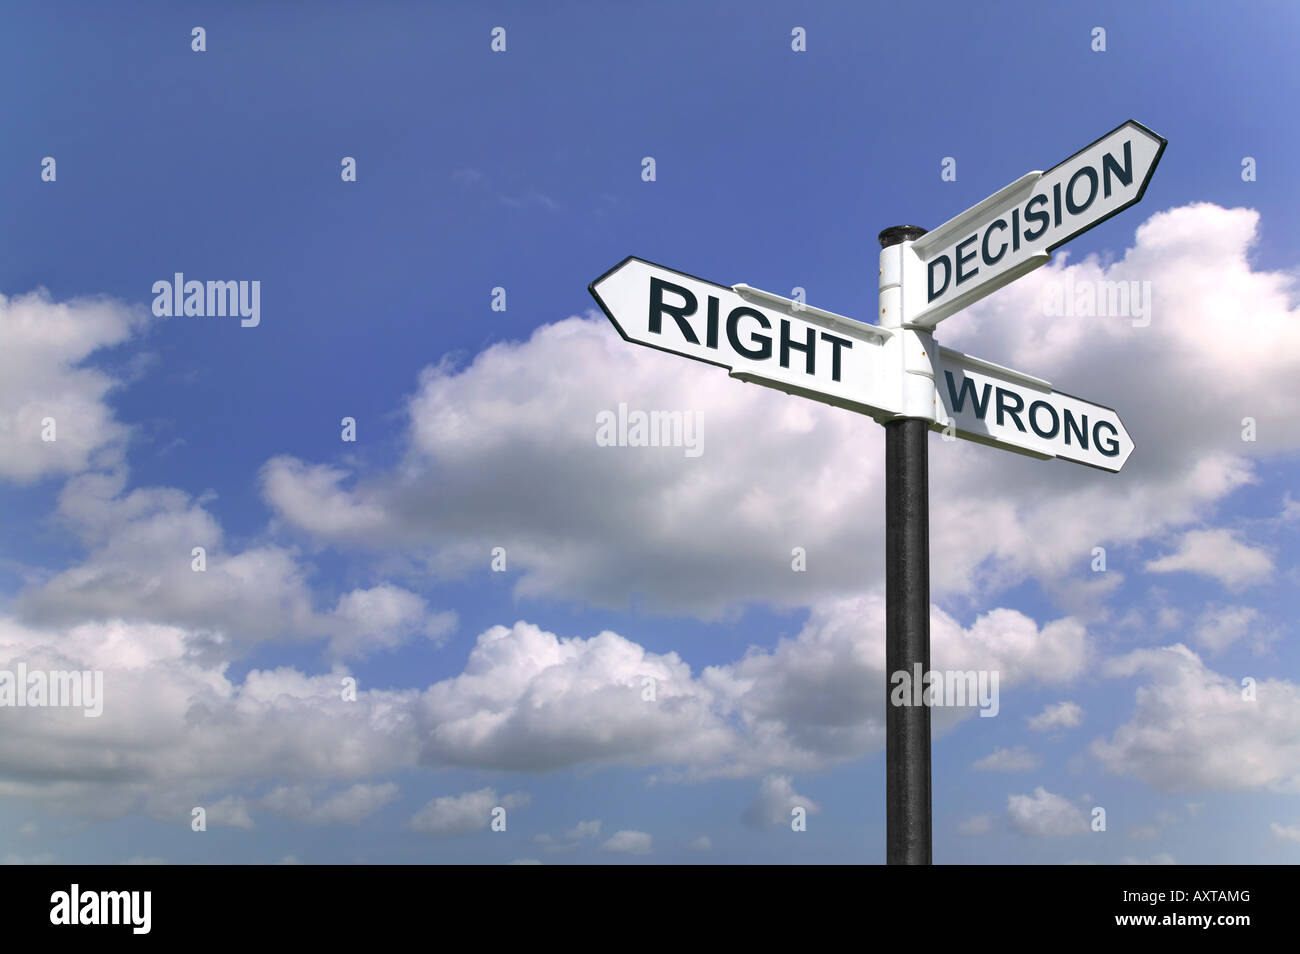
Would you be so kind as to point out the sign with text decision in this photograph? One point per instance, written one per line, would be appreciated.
(1015, 230)
(759, 337)
(989, 404)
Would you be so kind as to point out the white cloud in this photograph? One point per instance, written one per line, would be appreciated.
(141, 567)
(384, 617)
(1217, 554)
(570, 839)
(505, 446)
(1169, 617)
(584, 829)
(1018, 759)
(1285, 832)
(703, 843)
(346, 807)
(611, 526)
(176, 726)
(975, 825)
(629, 843)
(775, 802)
(529, 700)
(821, 695)
(1220, 626)
(43, 375)
(464, 813)
(231, 812)
(1063, 715)
(1046, 815)
(310, 498)
(1191, 730)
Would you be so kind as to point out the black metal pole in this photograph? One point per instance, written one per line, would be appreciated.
(907, 628)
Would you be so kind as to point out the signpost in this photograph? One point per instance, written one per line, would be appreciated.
(895, 373)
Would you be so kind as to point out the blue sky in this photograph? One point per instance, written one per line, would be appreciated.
(522, 169)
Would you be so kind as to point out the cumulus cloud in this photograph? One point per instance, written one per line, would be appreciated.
(1218, 554)
(347, 807)
(529, 700)
(44, 375)
(142, 566)
(176, 725)
(1046, 815)
(1192, 730)
(504, 449)
(231, 811)
(461, 814)
(1220, 626)
(311, 498)
(1285, 832)
(821, 695)
(1180, 391)
(383, 617)
(775, 801)
(1062, 715)
(628, 842)
(502, 452)
(532, 700)
(570, 839)
(1018, 759)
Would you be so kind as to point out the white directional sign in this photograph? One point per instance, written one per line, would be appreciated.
(1015, 230)
(759, 337)
(984, 402)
